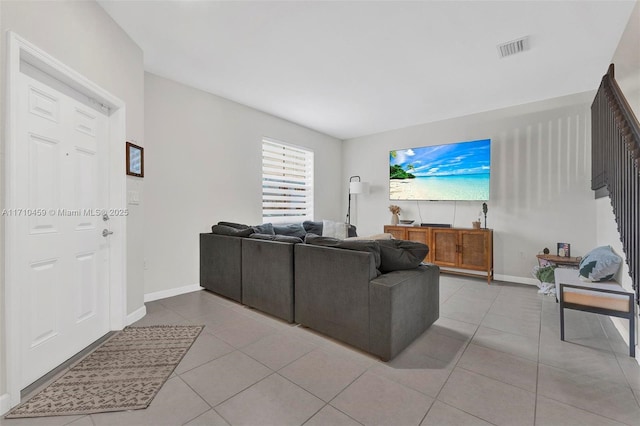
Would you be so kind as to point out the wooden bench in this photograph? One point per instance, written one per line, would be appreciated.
(605, 298)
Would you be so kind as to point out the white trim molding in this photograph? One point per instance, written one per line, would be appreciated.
(163, 294)
(19, 49)
(136, 315)
(514, 279)
(4, 404)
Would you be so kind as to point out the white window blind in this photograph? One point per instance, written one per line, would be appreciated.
(287, 183)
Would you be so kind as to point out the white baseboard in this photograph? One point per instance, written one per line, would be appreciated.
(5, 404)
(163, 294)
(513, 279)
(136, 315)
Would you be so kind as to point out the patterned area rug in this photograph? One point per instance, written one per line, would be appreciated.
(124, 373)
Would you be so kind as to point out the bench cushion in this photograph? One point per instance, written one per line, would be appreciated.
(596, 299)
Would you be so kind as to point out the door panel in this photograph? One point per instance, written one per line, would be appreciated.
(43, 312)
(44, 178)
(445, 247)
(86, 286)
(64, 291)
(474, 250)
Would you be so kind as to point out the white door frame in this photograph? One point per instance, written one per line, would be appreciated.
(20, 49)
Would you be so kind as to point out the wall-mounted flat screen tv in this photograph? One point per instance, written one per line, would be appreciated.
(455, 171)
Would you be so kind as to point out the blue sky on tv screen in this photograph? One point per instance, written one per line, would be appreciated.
(462, 158)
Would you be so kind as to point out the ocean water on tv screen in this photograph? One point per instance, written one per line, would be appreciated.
(466, 187)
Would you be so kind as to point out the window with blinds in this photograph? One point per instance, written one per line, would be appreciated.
(287, 183)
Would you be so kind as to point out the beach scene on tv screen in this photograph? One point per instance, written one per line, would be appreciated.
(456, 171)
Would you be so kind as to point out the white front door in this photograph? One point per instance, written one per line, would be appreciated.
(62, 273)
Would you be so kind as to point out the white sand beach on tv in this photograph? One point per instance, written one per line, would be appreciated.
(467, 187)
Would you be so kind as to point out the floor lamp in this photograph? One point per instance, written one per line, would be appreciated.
(355, 187)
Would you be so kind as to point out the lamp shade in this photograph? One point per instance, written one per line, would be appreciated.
(358, 187)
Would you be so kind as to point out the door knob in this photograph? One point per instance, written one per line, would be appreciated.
(106, 232)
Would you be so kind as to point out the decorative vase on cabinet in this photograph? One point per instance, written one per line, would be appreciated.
(395, 219)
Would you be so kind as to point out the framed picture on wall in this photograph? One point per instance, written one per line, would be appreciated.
(564, 249)
(135, 160)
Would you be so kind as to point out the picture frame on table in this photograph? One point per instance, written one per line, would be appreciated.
(564, 250)
(135, 160)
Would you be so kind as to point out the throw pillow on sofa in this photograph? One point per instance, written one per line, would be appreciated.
(368, 246)
(316, 228)
(231, 231)
(291, 229)
(600, 264)
(234, 225)
(334, 229)
(397, 255)
(279, 238)
(265, 228)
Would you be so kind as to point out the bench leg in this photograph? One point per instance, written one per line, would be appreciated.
(632, 329)
(632, 338)
(561, 322)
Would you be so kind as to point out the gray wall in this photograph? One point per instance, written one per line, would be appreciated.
(84, 37)
(204, 165)
(540, 179)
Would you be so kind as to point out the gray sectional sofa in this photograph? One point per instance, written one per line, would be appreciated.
(337, 291)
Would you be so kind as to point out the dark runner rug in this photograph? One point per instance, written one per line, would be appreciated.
(124, 373)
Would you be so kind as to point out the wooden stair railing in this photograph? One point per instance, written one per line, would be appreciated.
(615, 165)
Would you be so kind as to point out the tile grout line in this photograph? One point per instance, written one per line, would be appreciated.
(457, 361)
(199, 396)
(535, 405)
(587, 375)
(316, 396)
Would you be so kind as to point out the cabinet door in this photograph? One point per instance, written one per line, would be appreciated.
(398, 232)
(474, 252)
(420, 235)
(444, 247)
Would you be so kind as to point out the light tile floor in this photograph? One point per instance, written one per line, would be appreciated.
(493, 357)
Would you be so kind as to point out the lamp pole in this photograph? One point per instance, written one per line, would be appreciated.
(349, 208)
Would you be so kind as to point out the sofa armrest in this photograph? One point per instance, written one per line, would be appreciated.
(221, 265)
(403, 304)
(332, 292)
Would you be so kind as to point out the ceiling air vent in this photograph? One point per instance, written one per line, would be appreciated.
(512, 47)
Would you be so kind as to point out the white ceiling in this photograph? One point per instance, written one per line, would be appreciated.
(349, 69)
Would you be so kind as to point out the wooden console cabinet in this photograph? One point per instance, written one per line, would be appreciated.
(456, 250)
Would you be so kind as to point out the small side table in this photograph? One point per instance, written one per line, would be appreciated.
(560, 260)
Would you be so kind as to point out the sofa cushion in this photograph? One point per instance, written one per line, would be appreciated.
(291, 229)
(368, 246)
(234, 225)
(316, 228)
(397, 255)
(231, 231)
(334, 229)
(265, 228)
(279, 238)
(600, 264)
(312, 227)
